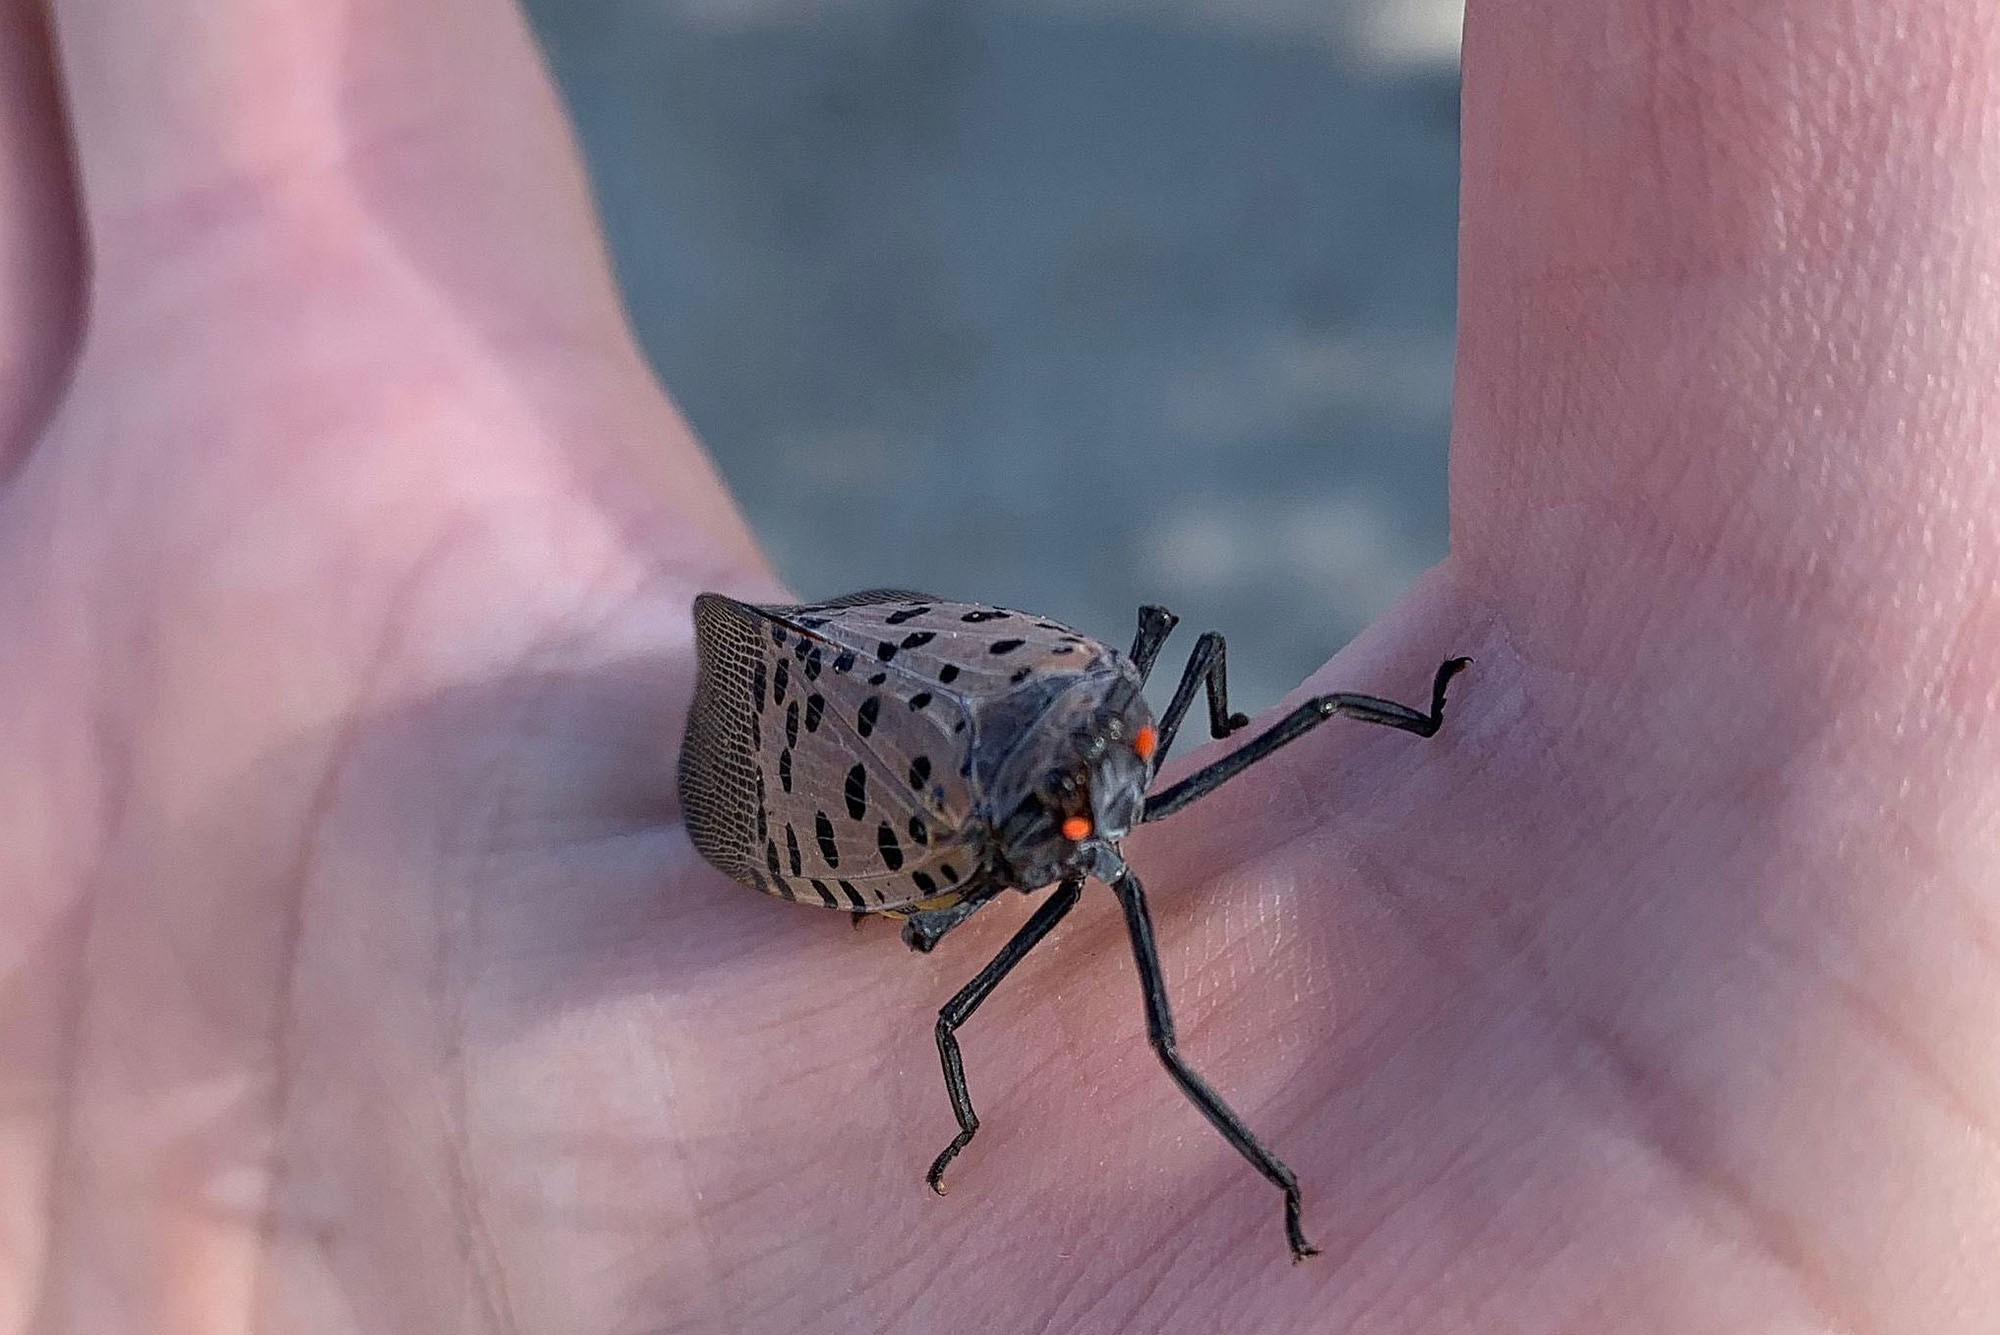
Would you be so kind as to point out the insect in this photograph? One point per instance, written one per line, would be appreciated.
(898, 754)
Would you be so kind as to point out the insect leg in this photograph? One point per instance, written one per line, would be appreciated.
(1207, 665)
(922, 931)
(959, 1009)
(1367, 708)
(1160, 1032)
(1155, 624)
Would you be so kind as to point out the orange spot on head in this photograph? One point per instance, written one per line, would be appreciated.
(1145, 741)
(1076, 827)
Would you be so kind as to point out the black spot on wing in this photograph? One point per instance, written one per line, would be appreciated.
(857, 792)
(889, 846)
(823, 832)
(864, 720)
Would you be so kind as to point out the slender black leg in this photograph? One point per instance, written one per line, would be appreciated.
(1155, 624)
(959, 1009)
(923, 930)
(1367, 708)
(1207, 665)
(1160, 1032)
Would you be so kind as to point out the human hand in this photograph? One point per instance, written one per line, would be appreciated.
(356, 978)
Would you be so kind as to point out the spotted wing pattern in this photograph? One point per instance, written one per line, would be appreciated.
(972, 651)
(818, 769)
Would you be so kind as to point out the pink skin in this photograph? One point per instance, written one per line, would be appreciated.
(353, 979)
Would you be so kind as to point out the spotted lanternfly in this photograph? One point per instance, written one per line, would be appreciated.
(894, 753)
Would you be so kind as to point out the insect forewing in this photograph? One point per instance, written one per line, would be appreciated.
(972, 651)
(819, 767)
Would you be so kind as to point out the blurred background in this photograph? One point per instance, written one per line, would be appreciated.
(1062, 304)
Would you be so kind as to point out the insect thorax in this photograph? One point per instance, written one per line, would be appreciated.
(1057, 757)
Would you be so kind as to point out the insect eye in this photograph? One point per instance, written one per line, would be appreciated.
(1060, 783)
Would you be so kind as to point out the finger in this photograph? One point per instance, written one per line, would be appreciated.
(1726, 305)
(40, 255)
(1727, 331)
(434, 123)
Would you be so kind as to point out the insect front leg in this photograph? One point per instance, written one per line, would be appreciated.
(959, 1009)
(1160, 1032)
(1207, 665)
(1366, 708)
(1155, 624)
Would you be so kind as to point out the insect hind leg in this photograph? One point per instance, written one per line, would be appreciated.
(960, 1008)
(923, 929)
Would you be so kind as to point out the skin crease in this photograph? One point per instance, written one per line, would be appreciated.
(352, 977)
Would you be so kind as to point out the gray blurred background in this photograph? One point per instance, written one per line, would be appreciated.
(1062, 304)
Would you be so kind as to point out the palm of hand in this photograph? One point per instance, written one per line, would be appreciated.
(354, 981)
